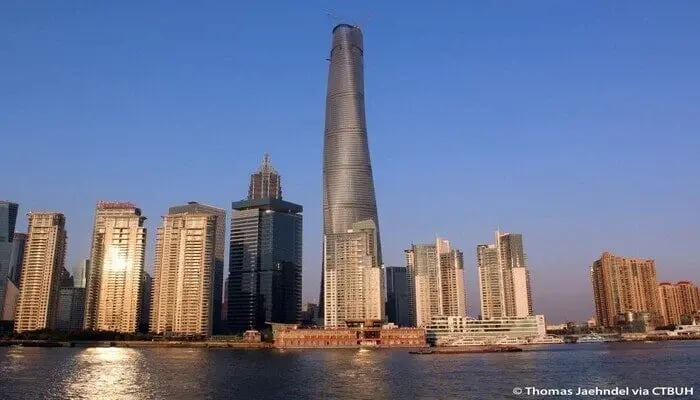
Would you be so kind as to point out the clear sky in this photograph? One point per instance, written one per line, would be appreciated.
(575, 123)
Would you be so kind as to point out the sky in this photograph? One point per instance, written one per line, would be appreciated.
(575, 123)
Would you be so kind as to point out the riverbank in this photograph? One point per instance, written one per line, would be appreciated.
(137, 343)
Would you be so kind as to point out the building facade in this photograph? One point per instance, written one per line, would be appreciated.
(44, 260)
(183, 296)
(265, 263)
(353, 277)
(689, 298)
(348, 185)
(8, 221)
(80, 273)
(449, 330)
(397, 299)
(436, 281)
(71, 309)
(504, 278)
(621, 285)
(265, 182)
(678, 301)
(114, 290)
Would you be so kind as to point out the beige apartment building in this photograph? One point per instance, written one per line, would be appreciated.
(622, 284)
(435, 274)
(114, 285)
(353, 287)
(182, 301)
(43, 263)
(678, 300)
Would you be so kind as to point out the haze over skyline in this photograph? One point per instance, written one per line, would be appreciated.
(575, 124)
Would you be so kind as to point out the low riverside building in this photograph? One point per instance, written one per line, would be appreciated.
(353, 337)
(445, 330)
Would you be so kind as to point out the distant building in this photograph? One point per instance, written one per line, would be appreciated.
(183, 301)
(41, 273)
(113, 293)
(623, 285)
(17, 257)
(678, 300)
(504, 278)
(80, 273)
(71, 308)
(446, 330)
(265, 182)
(353, 292)
(10, 307)
(8, 221)
(435, 275)
(146, 300)
(397, 297)
(265, 262)
(309, 314)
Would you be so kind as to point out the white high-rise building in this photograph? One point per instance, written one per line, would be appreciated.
(353, 288)
(504, 279)
(436, 281)
(44, 259)
(114, 285)
(182, 302)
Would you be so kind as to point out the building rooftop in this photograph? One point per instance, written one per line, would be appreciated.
(267, 203)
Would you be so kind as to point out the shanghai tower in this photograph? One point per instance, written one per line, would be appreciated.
(348, 187)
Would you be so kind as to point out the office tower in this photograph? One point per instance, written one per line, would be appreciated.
(265, 182)
(348, 186)
(71, 309)
(17, 257)
(353, 292)
(114, 291)
(41, 273)
(397, 298)
(224, 305)
(688, 297)
(264, 282)
(66, 278)
(669, 303)
(81, 271)
(622, 284)
(183, 296)
(436, 280)
(146, 298)
(219, 249)
(490, 282)
(8, 220)
(516, 277)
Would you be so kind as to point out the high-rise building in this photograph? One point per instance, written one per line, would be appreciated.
(688, 297)
(41, 273)
(81, 271)
(17, 257)
(669, 303)
(621, 285)
(353, 278)
(145, 316)
(436, 279)
(71, 309)
(678, 301)
(8, 220)
(183, 301)
(504, 279)
(114, 290)
(490, 282)
(265, 182)
(348, 186)
(397, 298)
(264, 282)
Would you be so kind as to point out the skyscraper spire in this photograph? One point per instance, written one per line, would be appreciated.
(265, 182)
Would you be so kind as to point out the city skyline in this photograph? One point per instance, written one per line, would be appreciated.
(564, 205)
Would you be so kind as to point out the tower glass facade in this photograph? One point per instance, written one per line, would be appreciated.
(8, 220)
(348, 186)
(397, 300)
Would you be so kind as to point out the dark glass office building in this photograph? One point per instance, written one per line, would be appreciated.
(397, 303)
(8, 219)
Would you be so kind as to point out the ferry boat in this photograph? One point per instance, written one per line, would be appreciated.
(592, 338)
(510, 340)
(547, 339)
(466, 342)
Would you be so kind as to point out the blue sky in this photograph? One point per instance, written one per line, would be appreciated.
(575, 123)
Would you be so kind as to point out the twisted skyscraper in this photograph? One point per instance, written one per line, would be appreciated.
(348, 187)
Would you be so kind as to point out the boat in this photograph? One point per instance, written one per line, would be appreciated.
(547, 339)
(592, 338)
(506, 340)
(368, 344)
(466, 342)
